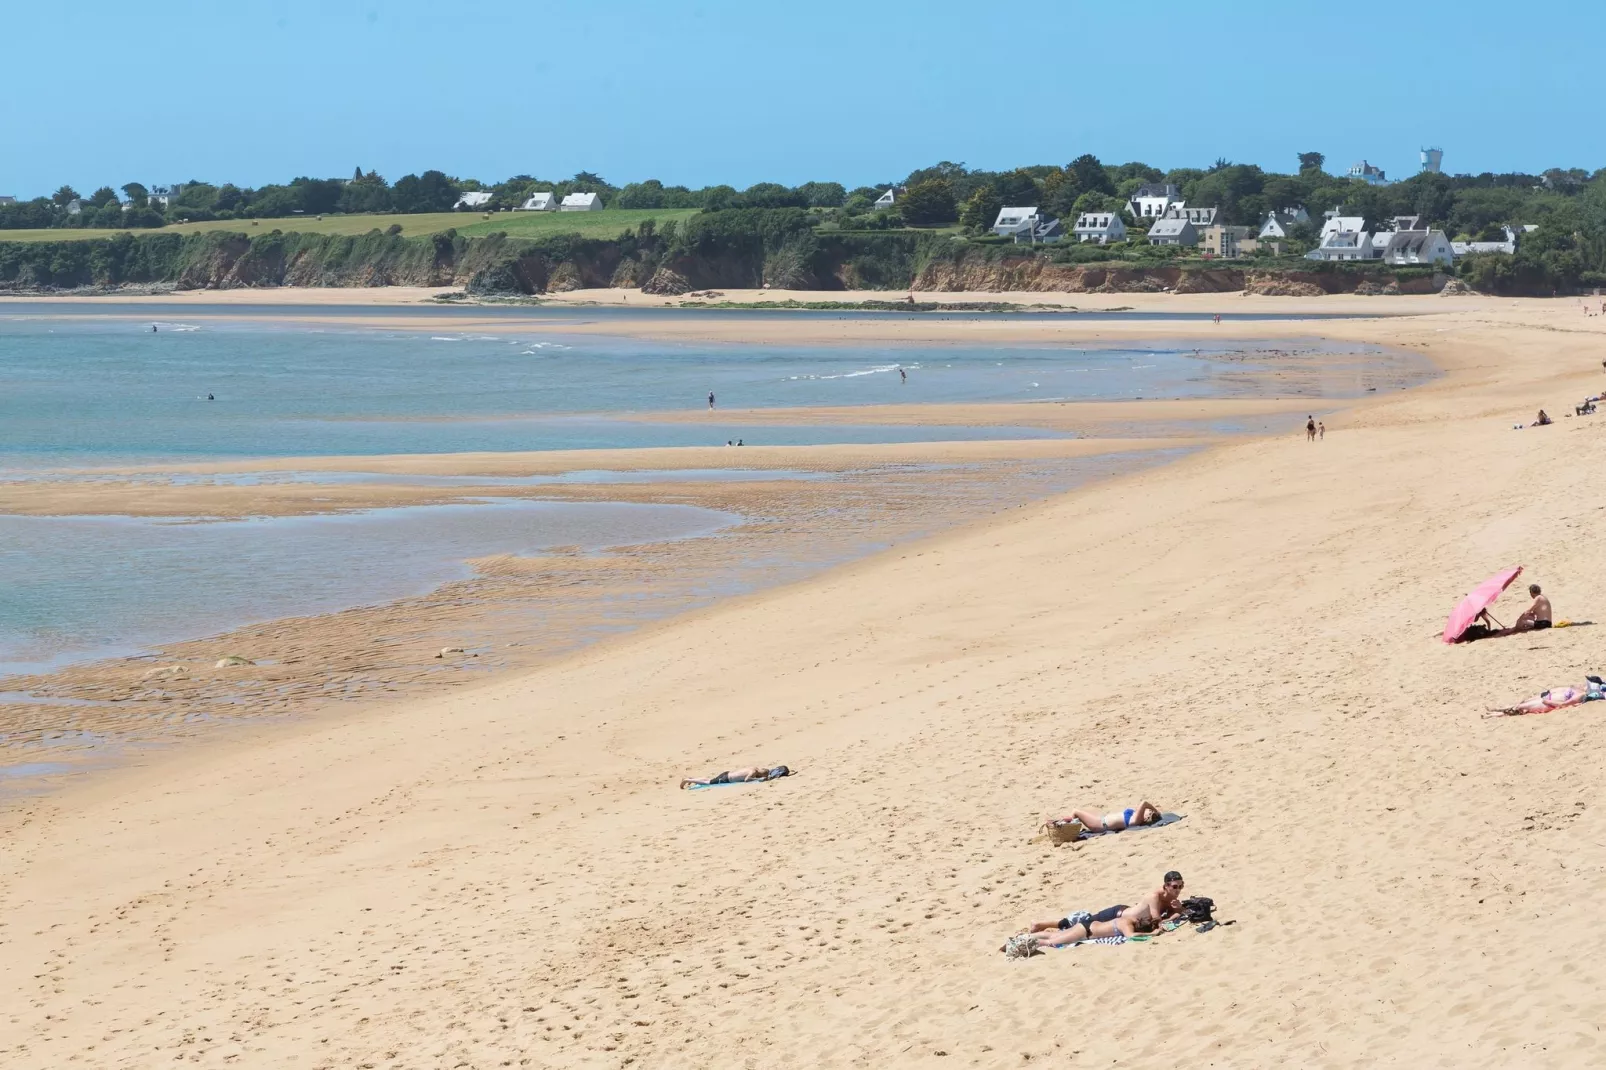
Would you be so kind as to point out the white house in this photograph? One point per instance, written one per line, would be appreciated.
(1100, 227)
(1343, 245)
(1509, 246)
(581, 202)
(1027, 223)
(1281, 221)
(1151, 201)
(887, 199)
(1225, 242)
(8, 200)
(539, 202)
(164, 196)
(1372, 176)
(1418, 247)
(474, 199)
(75, 207)
(1340, 224)
(1173, 230)
(1199, 217)
(1406, 222)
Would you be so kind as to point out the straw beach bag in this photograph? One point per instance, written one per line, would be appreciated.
(1064, 831)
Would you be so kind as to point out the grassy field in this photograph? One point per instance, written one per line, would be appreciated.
(604, 224)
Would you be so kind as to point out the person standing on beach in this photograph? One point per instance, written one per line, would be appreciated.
(710, 400)
(1321, 429)
(1310, 428)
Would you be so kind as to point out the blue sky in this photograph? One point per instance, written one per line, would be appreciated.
(707, 91)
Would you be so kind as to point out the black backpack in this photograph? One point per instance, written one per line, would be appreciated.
(1199, 908)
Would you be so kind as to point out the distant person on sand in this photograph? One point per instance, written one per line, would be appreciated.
(710, 399)
(1542, 420)
(1081, 925)
(1310, 429)
(739, 776)
(1144, 813)
(1321, 429)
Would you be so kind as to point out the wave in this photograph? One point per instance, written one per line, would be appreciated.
(880, 369)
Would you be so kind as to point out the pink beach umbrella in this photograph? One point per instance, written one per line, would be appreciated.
(1482, 597)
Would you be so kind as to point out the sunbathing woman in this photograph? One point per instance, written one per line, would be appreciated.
(1114, 821)
(740, 776)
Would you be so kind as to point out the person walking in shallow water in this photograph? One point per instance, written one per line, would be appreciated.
(710, 399)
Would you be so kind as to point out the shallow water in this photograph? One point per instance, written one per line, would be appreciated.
(73, 588)
(101, 392)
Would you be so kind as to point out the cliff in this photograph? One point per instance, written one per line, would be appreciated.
(739, 249)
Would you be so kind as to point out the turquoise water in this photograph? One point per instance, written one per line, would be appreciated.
(97, 392)
(81, 587)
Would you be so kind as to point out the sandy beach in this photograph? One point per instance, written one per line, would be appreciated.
(505, 874)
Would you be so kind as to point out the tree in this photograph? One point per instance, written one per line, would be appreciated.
(431, 191)
(648, 194)
(981, 210)
(137, 194)
(772, 195)
(104, 196)
(823, 194)
(1017, 189)
(929, 203)
(1089, 175)
(108, 216)
(318, 195)
(1311, 161)
(64, 196)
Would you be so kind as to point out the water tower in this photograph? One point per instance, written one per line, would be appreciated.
(1432, 159)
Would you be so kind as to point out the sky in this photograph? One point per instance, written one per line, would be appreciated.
(700, 92)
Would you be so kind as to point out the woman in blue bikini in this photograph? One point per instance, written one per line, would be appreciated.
(1144, 813)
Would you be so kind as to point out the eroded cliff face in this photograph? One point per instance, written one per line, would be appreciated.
(1038, 274)
(496, 264)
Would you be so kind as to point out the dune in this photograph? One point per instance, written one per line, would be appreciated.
(506, 876)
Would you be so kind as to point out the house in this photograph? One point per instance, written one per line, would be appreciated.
(539, 202)
(473, 199)
(1509, 246)
(1151, 201)
(7, 200)
(581, 202)
(1173, 230)
(1365, 172)
(1406, 222)
(1343, 245)
(1226, 242)
(75, 207)
(164, 196)
(1026, 223)
(1199, 217)
(1418, 247)
(1339, 224)
(888, 199)
(1281, 221)
(1101, 227)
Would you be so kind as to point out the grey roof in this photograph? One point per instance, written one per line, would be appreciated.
(1169, 227)
(1157, 189)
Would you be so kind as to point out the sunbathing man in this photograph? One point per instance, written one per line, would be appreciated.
(1158, 906)
(1114, 821)
(1537, 616)
(739, 776)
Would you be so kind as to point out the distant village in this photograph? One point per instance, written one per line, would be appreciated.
(1156, 213)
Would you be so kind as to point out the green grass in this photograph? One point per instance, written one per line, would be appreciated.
(604, 224)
